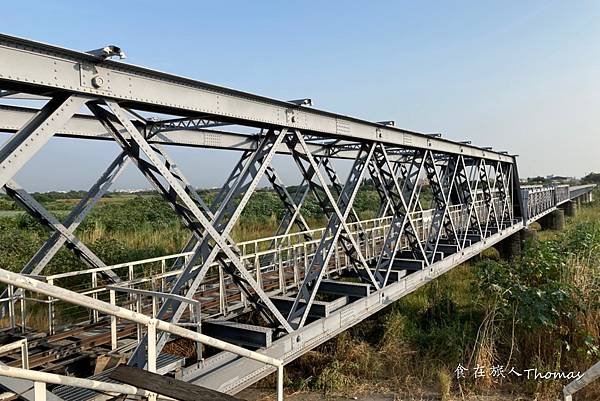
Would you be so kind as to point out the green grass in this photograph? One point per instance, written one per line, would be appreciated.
(488, 311)
(539, 311)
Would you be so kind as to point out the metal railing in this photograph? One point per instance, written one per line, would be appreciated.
(579, 190)
(276, 270)
(539, 200)
(41, 379)
(588, 377)
(561, 194)
(21, 345)
(152, 325)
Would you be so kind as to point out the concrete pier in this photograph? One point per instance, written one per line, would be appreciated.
(554, 220)
(570, 209)
(528, 235)
(511, 247)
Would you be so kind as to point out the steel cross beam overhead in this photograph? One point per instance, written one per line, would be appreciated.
(440, 203)
(29, 66)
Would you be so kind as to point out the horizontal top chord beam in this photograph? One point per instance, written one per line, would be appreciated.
(82, 126)
(33, 67)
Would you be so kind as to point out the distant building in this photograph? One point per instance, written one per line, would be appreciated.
(131, 191)
(558, 178)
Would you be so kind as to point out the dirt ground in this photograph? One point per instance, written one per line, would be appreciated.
(259, 395)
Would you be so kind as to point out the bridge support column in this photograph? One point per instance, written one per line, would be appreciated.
(528, 235)
(570, 209)
(511, 247)
(554, 220)
(558, 219)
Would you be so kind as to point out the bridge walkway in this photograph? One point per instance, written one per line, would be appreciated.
(78, 333)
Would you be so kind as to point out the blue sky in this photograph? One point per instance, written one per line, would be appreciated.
(522, 76)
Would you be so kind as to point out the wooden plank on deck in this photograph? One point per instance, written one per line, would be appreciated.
(167, 386)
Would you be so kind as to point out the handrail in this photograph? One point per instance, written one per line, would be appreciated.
(19, 344)
(372, 226)
(116, 266)
(58, 276)
(152, 324)
(589, 376)
(195, 305)
(578, 187)
(40, 379)
(184, 254)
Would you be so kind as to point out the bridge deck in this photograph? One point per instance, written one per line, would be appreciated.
(278, 271)
(441, 203)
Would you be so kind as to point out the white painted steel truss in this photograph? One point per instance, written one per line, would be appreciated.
(441, 201)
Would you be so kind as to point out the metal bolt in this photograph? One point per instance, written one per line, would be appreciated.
(97, 81)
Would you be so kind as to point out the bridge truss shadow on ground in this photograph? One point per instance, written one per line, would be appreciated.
(282, 295)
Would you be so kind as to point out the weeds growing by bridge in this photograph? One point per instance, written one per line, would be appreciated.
(126, 227)
(538, 311)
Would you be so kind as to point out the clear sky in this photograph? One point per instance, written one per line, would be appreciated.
(522, 76)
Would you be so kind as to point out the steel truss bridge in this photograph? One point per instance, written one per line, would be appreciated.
(442, 202)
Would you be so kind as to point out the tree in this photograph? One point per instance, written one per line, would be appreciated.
(591, 178)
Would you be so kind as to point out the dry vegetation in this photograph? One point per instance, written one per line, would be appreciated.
(538, 311)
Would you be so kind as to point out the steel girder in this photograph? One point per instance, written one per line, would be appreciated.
(214, 245)
(384, 198)
(26, 142)
(225, 218)
(477, 181)
(29, 66)
(228, 211)
(156, 127)
(43, 256)
(291, 204)
(486, 189)
(35, 209)
(20, 148)
(503, 183)
(337, 211)
(231, 180)
(400, 170)
(63, 233)
(300, 196)
(292, 214)
(336, 185)
(442, 184)
(402, 199)
(466, 194)
(82, 126)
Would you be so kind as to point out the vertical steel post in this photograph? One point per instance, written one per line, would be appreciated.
(50, 311)
(138, 309)
(23, 314)
(39, 391)
(11, 306)
(24, 354)
(222, 292)
(197, 313)
(94, 295)
(151, 334)
(280, 383)
(113, 322)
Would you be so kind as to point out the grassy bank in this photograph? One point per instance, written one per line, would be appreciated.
(540, 311)
(125, 227)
